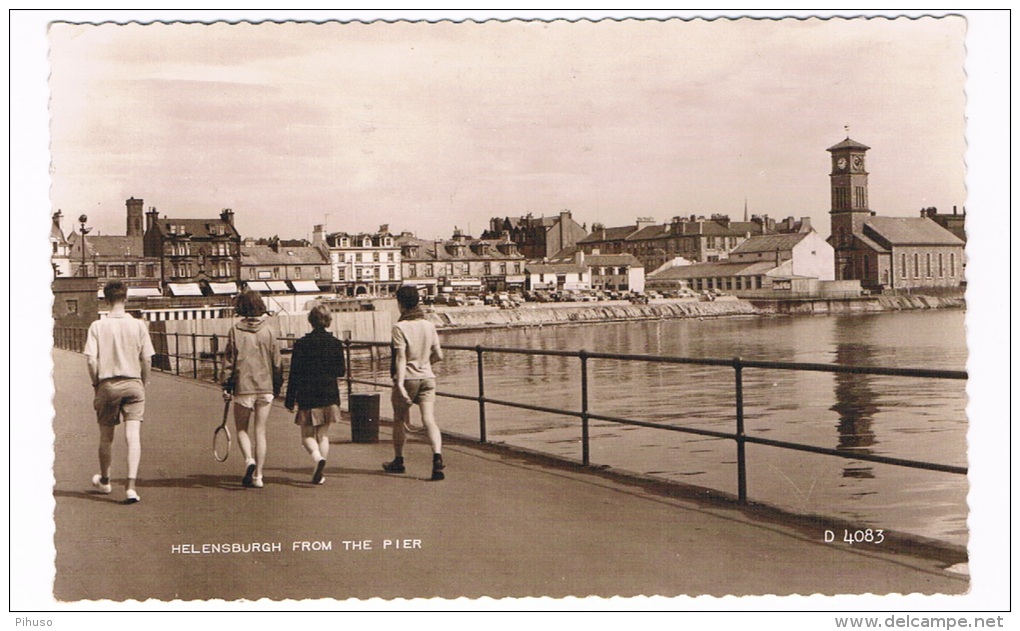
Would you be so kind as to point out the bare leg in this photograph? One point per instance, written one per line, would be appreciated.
(261, 421)
(428, 419)
(241, 416)
(401, 415)
(309, 438)
(133, 437)
(322, 436)
(106, 451)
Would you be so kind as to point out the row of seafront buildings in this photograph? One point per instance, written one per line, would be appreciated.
(187, 261)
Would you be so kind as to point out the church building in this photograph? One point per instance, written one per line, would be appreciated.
(885, 253)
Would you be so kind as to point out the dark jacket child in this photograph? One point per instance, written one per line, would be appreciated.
(316, 365)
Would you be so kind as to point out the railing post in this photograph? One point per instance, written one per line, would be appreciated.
(215, 363)
(194, 356)
(481, 396)
(177, 353)
(738, 369)
(585, 442)
(347, 368)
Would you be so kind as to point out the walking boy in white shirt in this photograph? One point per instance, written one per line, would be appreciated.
(119, 354)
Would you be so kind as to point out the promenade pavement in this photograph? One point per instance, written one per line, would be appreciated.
(500, 525)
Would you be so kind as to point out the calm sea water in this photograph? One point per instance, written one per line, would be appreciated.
(902, 417)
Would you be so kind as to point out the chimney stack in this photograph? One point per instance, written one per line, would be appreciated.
(134, 217)
(227, 215)
(151, 218)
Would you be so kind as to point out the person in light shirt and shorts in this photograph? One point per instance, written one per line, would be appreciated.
(415, 346)
(119, 355)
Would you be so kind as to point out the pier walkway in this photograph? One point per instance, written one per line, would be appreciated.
(501, 524)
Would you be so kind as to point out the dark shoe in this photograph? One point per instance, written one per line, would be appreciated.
(437, 467)
(397, 466)
(248, 473)
(317, 477)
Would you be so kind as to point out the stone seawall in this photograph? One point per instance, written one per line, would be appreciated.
(487, 317)
(461, 317)
(856, 305)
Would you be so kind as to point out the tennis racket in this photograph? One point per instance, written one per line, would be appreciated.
(221, 437)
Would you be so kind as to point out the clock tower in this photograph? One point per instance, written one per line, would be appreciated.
(848, 182)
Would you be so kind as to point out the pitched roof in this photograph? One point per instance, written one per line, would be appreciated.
(609, 234)
(116, 246)
(612, 260)
(648, 232)
(553, 268)
(195, 227)
(711, 270)
(264, 255)
(770, 243)
(909, 231)
(848, 144)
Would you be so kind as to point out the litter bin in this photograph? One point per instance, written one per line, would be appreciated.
(364, 418)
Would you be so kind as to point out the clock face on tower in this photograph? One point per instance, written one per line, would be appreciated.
(841, 164)
(858, 162)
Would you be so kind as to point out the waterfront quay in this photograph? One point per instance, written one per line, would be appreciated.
(503, 524)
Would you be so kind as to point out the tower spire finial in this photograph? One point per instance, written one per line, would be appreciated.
(847, 129)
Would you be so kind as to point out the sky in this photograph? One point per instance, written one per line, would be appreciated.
(431, 126)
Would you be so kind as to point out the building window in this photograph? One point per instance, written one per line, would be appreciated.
(428, 270)
(72, 306)
(487, 268)
(375, 257)
(101, 271)
(318, 273)
(952, 264)
(392, 270)
(340, 274)
(276, 272)
(942, 270)
(917, 265)
(297, 272)
(150, 271)
(390, 255)
(265, 274)
(903, 265)
(927, 265)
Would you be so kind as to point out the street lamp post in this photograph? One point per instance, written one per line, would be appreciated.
(84, 231)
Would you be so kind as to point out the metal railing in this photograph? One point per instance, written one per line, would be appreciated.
(202, 358)
(738, 365)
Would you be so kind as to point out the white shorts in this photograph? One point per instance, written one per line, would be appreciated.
(250, 401)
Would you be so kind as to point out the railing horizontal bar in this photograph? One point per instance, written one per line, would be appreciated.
(665, 359)
(914, 464)
(534, 408)
(668, 428)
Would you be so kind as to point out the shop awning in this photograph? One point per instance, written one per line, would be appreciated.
(143, 292)
(257, 285)
(305, 286)
(223, 288)
(185, 289)
(277, 285)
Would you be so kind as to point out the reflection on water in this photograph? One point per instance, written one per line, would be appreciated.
(855, 399)
(902, 417)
